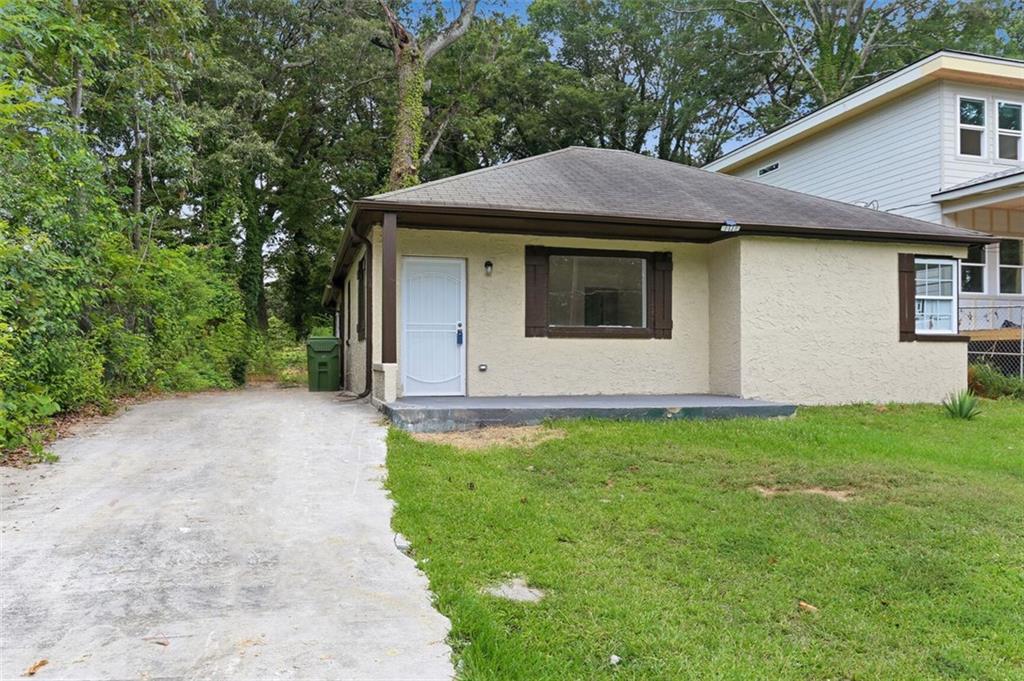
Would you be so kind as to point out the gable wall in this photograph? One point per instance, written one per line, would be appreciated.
(890, 155)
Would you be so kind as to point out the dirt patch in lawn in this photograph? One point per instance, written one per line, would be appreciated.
(836, 494)
(496, 436)
(515, 589)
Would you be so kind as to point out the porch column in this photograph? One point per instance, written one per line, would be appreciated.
(389, 287)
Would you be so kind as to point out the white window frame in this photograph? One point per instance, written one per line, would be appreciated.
(1000, 267)
(954, 299)
(984, 274)
(968, 126)
(768, 169)
(1019, 134)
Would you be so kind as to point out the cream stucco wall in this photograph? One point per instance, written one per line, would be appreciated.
(518, 365)
(820, 320)
(725, 351)
(799, 320)
(353, 356)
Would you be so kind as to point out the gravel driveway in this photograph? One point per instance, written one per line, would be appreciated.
(241, 535)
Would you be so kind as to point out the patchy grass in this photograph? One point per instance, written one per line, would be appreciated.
(652, 544)
(523, 437)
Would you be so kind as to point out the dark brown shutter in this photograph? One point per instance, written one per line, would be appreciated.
(662, 295)
(536, 291)
(361, 305)
(908, 294)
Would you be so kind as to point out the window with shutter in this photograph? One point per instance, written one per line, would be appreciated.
(594, 293)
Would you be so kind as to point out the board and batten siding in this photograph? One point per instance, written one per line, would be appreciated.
(957, 169)
(888, 157)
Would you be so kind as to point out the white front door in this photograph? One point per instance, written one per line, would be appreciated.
(433, 326)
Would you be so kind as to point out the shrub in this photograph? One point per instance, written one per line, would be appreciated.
(987, 381)
(962, 405)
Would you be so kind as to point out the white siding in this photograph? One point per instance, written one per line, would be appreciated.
(955, 168)
(889, 157)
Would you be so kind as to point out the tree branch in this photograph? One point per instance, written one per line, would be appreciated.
(452, 31)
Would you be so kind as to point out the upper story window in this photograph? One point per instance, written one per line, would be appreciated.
(1011, 266)
(1008, 123)
(972, 269)
(770, 168)
(971, 138)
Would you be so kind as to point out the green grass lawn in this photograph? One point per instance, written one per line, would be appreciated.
(652, 545)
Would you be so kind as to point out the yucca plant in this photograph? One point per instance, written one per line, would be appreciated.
(962, 405)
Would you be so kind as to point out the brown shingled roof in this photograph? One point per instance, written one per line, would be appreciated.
(602, 183)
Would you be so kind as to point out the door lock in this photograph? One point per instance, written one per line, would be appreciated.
(458, 334)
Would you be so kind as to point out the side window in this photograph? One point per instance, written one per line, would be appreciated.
(1011, 266)
(1008, 124)
(927, 297)
(971, 133)
(972, 269)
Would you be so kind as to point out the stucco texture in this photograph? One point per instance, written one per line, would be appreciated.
(819, 325)
(518, 365)
(805, 321)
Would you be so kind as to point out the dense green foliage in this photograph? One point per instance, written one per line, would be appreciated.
(988, 381)
(176, 173)
(685, 548)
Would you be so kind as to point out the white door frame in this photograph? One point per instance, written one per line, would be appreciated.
(462, 312)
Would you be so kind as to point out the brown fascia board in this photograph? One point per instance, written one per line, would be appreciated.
(573, 224)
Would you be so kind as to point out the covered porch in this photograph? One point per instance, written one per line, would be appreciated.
(441, 414)
(991, 276)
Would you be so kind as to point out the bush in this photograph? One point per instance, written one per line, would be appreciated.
(987, 381)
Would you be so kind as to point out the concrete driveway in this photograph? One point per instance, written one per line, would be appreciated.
(240, 535)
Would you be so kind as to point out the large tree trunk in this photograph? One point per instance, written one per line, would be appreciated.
(411, 61)
(405, 155)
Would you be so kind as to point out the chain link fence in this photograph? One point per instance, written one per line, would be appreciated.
(997, 336)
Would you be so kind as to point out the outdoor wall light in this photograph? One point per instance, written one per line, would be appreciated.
(488, 268)
(729, 225)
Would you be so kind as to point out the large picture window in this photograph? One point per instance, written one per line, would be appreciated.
(971, 113)
(595, 293)
(1011, 266)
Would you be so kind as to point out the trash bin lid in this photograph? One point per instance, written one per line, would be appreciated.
(322, 344)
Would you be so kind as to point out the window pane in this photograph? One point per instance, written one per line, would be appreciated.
(934, 315)
(1010, 252)
(972, 112)
(970, 142)
(597, 291)
(976, 253)
(1009, 147)
(1009, 116)
(972, 279)
(1010, 280)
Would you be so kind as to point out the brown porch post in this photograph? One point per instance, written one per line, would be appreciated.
(388, 332)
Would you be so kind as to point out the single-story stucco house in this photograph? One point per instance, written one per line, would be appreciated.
(599, 272)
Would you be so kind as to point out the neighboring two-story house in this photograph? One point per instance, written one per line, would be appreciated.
(939, 140)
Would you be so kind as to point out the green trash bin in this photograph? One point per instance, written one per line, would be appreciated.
(322, 363)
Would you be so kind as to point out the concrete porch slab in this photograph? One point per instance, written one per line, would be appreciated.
(440, 414)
